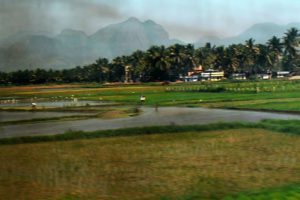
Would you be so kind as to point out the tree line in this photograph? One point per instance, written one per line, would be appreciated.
(160, 63)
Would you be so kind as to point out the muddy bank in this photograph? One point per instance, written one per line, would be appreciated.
(28, 115)
(295, 112)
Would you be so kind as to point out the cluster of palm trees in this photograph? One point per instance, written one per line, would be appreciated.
(161, 63)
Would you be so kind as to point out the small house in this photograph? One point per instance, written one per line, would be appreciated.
(282, 74)
(264, 76)
(294, 78)
(197, 74)
(195, 70)
(192, 78)
(193, 75)
(211, 75)
(238, 76)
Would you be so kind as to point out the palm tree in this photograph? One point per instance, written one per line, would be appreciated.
(157, 64)
(135, 61)
(274, 44)
(117, 69)
(221, 60)
(190, 61)
(251, 52)
(177, 58)
(205, 56)
(291, 43)
(262, 59)
(275, 49)
(234, 59)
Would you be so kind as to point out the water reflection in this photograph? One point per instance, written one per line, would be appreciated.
(40, 103)
(149, 117)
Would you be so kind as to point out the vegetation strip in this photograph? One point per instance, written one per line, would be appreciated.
(291, 192)
(285, 126)
(285, 192)
(265, 110)
(37, 120)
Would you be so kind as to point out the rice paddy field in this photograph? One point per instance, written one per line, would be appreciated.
(271, 95)
(221, 164)
(223, 161)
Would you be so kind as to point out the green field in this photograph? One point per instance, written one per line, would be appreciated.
(272, 95)
(290, 192)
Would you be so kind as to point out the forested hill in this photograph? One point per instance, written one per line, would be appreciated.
(70, 48)
(160, 63)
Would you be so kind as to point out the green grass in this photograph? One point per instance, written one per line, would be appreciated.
(174, 94)
(289, 106)
(291, 192)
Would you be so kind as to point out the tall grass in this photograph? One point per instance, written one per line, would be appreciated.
(182, 166)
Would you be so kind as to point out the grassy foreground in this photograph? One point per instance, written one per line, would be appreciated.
(142, 164)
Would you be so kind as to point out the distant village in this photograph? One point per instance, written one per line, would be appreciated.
(199, 74)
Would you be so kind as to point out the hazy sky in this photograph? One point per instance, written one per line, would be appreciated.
(188, 20)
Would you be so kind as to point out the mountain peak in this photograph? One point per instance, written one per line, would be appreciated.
(133, 19)
(73, 47)
(150, 22)
(260, 32)
(71, 32)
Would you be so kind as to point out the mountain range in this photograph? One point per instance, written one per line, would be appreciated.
(70, 48)
(261, 33)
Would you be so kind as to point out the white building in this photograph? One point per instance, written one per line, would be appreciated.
(282, 74)
(211, 75)
(238, 76)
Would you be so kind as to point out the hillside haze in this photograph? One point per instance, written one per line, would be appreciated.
(124, 38)
(70, 48)
(261, 33)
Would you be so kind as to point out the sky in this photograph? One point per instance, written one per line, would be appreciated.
(188, 20)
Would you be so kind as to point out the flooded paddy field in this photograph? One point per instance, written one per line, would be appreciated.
(60, 101)
(149, 117)
(45, 103)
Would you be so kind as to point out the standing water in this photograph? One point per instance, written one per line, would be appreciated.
(149, 117)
